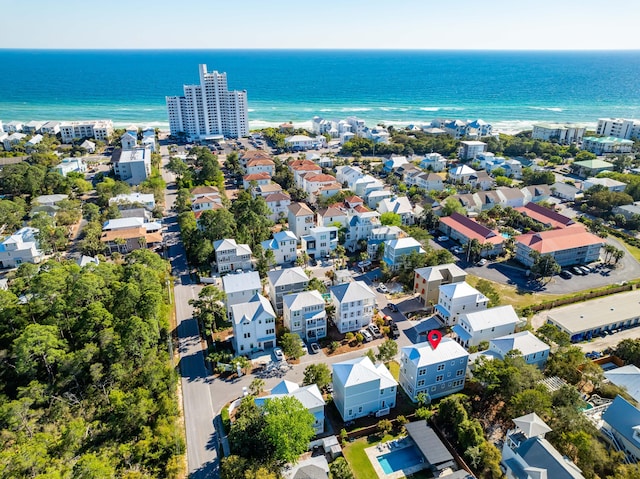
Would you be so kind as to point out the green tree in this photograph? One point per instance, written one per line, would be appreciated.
(385, 426)
(39, 349)
(11, 213)
(256, 386)
(390, 219)
(387, 351)
(486, 288)
(288, 428)
(544, 265)
(291, 346)
(318, 373)
(451, 205)
(340, 469)
(531, 400)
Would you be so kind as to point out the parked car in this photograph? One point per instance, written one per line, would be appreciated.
(388, 320)
(364, 264)
(366, 335)
(278, 354)
(304, 347)
(315, 348)
(383, 288)
(392, 307)
(584, 269)
(577, 271)
(457, 250)
(394, 331)
(443, 238)
(482, 262)
(565, 274)
(374, 330)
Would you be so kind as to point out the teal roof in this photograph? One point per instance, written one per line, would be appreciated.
(593, 164)
(607, 139)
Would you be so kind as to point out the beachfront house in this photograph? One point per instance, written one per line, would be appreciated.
(361, 388)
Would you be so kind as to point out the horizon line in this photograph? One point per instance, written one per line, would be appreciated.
(267, 49)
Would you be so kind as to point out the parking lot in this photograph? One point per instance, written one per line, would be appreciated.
(511, 273)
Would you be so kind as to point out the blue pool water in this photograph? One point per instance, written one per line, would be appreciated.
(505, 235)
(401, 459)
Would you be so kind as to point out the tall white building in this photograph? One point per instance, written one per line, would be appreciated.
(75, 130)
(618, 128)
(209, 109)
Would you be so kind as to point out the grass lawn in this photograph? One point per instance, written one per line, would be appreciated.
(510, 295)
(635, 251)
(358, 460)
(394, 369)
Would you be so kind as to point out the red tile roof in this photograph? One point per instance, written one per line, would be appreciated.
(276, 197)
(471, 229)
(260, 162)
(304, 165)
(257, 176)
(321, 178)
(575, 236)
(203, 190)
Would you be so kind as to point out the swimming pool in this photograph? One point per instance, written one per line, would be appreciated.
(399, 459)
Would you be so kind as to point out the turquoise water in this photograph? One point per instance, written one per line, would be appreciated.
(505, 235)
(509, 89)
(398, 460)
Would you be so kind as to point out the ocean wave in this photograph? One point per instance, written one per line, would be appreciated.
(545, 108)
(357, 108)
(251, 110)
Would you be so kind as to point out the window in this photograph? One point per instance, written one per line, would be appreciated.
(360, 409)
(247, 335)
(421, 383)
(459, 372)
(422, 372)
(382, 391)
(439, 378)
(440, 367)
(433, 388)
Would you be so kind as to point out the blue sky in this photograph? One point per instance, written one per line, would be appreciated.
(344, 24)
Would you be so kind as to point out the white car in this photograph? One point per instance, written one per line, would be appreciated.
(383, 288)
(443, 238)
(375, 331)
(482, 262)
(279, 355)
(366, 335)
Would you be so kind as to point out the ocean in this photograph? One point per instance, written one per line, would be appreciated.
(509, 89)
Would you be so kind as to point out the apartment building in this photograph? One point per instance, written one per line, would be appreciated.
(132, 166)
(209, 109)
(76, 130)
(563, 134)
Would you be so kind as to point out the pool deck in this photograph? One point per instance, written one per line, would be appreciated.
(391, 446)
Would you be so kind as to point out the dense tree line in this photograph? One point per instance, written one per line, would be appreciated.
(87, 388)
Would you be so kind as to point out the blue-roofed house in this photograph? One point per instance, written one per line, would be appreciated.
(623, 422)
(526, 454)
(283, 245)
(310, 397)
(394, 162)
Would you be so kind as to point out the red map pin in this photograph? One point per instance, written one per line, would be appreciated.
(434, 337)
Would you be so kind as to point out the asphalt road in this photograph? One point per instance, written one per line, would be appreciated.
(197, 394)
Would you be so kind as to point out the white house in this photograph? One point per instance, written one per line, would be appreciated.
(320, 241)
(257, 179)
(13, 139)
(303, 142)
(69, 165)
(261, 165)
(354, 303)
(147, 200)
(622, 420)
(461, 173)
(485, 325)
(90, 146)
(531, 349)
(301, 219)
(285, 281)
(51, 128)
(436, 372)
(348, 174)
(434, 162)
(608, 183)
(304, 314)
(50, 200)
(456, 299)
(20, 247)
(331, 216)
(254, 325)
(400, 206)
(240, 288)
(302, 167)
(283, 245)
(129, 140)
(429, 182)
(470, 149)
(231, 256)
(132, 166)
(380, 235)
(360, 388)
(309, 396)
